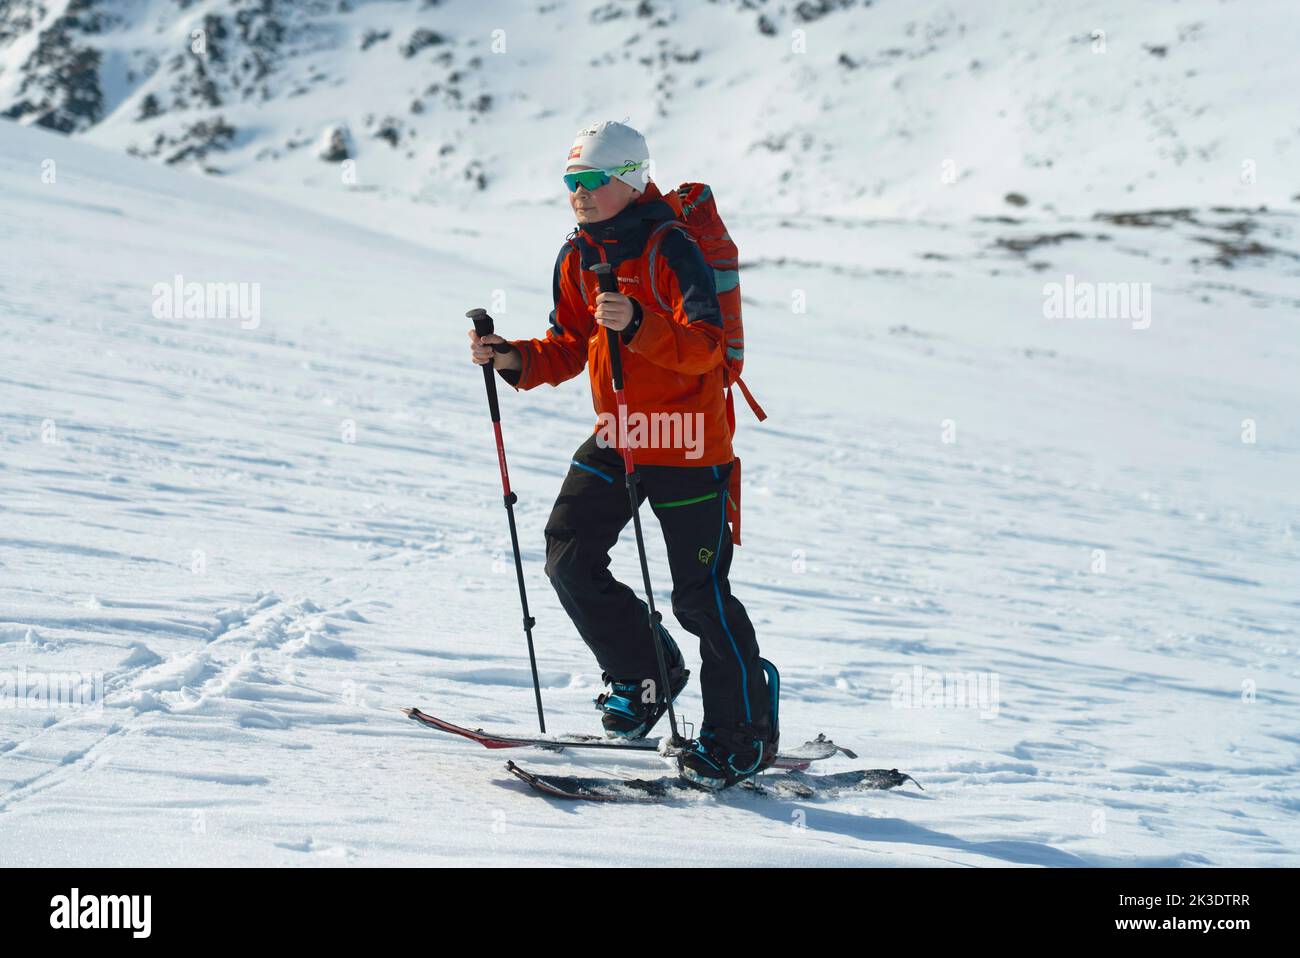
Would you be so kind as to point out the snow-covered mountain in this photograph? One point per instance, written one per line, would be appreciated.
(850, 106)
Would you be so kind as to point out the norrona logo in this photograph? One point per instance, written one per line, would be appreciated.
(102, 911)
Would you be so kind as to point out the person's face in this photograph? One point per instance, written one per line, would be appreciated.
(594, 206)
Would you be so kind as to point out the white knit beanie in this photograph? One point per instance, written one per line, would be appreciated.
(611, 145)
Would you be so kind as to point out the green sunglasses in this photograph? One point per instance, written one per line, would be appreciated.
(592, 180)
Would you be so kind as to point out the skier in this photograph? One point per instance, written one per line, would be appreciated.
(673, 364)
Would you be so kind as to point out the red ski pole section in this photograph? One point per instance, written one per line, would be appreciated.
(501, 458)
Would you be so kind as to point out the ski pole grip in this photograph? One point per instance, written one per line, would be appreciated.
(605, 277)
(482, 321)
(484, 327)
(609, 284)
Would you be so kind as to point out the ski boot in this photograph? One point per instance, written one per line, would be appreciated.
(625, 713)
(720, 758)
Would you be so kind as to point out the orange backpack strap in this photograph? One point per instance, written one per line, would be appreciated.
(749, 398)
(733, 500)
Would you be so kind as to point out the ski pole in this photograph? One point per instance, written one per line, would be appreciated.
(483, 327)
(608, 284)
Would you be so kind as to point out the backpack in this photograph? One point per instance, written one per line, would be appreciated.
(697, 214)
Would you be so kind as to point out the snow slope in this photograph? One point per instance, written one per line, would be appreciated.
(181, 512)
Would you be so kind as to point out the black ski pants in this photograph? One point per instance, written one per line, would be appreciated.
(690, 504)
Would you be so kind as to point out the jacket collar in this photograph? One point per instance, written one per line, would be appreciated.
(623, 235)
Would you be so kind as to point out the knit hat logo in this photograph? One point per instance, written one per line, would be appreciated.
(611, 145)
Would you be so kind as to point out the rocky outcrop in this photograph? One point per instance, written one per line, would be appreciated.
(60, 89)
(335, 145)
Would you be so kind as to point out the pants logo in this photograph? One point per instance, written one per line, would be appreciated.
(705, 556)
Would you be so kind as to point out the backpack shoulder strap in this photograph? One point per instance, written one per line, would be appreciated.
(652, 255)
(571, 239)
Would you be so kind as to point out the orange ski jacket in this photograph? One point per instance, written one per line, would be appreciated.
(673, 371)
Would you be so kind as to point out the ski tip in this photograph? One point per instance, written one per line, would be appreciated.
(821, 739)
(904, 778)
(518, 772)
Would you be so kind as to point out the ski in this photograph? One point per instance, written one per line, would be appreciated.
(799, 758)
(793, 784)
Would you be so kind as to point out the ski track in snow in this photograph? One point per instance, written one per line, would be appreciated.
(180, 512)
